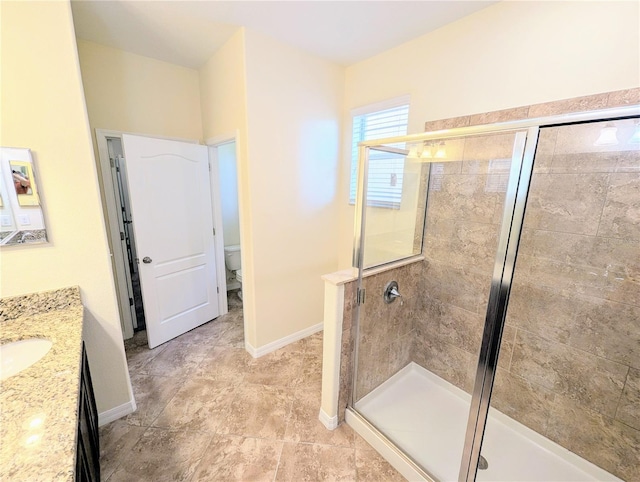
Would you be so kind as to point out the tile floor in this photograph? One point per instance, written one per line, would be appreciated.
(208, 411)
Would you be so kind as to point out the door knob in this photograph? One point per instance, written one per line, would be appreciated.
(146, 260)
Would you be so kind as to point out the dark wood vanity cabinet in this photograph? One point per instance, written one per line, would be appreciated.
(88, 447)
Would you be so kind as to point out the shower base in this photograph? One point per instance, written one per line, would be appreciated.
(426, 416)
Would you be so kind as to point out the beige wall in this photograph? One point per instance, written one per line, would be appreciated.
(507, 55)
(290, 103)
(43, 109)
(223, 91)
(132, 93)
(294, 106)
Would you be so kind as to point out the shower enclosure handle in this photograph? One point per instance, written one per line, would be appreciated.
(391, 292)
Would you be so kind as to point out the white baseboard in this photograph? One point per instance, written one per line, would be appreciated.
(330, 422)
(274, 345)
(116, 412)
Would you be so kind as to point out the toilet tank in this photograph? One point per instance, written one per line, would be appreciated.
(232, 257)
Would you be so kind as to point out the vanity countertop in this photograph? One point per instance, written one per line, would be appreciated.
(39, 406)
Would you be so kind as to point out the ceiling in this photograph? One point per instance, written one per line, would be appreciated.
(188, 32)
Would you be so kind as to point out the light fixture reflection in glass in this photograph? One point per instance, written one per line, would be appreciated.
(607, 136)
(635, 138)
(441, 152)
(413, 152)
(426, 151)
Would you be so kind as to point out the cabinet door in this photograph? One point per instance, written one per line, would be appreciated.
(88, 448)
(92, 411)
(83, 454)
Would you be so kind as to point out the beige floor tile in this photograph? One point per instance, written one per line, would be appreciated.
(231, 333)
(138, 352)
(280, 368)
(304, 425)
(202, 335)
(371, 467)
(310, 376)
(254, 411)
(314, 463)
(313, 344)
(175, 361)
(116, 441)
(224, 364)
(224, 416)
(152, 393)
(232, 458)
(234, 301)
(162, 455)
(200, 405)
(299, 347)
(136, 342)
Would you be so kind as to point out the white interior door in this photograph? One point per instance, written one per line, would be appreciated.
(173, 226)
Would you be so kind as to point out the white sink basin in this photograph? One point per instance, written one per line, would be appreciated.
(19, 355)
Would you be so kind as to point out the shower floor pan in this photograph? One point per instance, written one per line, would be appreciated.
(426, 417)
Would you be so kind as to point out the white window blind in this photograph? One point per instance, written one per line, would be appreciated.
(384, 187)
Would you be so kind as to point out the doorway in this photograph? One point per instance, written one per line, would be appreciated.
(158, 233)
(127, 237)
(224, 166)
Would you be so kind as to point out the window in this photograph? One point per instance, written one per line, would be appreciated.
(386, 170)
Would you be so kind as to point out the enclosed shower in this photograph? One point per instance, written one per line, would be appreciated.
(510, 349)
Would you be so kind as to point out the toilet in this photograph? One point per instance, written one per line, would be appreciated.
(233, 264)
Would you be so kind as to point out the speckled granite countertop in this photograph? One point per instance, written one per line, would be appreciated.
(39, 406)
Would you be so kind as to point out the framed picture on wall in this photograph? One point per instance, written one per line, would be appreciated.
(22, 174)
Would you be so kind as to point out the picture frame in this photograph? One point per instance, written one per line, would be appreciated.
(24, 183)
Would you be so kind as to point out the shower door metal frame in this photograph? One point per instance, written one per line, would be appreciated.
(504, 266)
(510, 230)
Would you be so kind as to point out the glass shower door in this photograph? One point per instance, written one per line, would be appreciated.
(565, 400)
(416, 357)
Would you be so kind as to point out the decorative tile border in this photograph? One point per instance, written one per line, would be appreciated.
(618, 98)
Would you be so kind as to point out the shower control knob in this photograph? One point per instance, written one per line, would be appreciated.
(391, 292)
(146, 260)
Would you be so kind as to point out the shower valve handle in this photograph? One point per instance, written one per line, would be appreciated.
(391, 292)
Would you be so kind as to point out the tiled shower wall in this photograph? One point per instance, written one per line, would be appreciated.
(572, 372)
(569, 366)
(387, 330)
(465, 206)
(569, 358)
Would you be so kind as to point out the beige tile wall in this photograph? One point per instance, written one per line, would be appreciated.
(464, 212)
(577, 104)
(347, 351)
(575, 301)
(387, 330)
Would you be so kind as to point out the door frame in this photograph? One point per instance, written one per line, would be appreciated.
(213, 143)
(119, 262)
